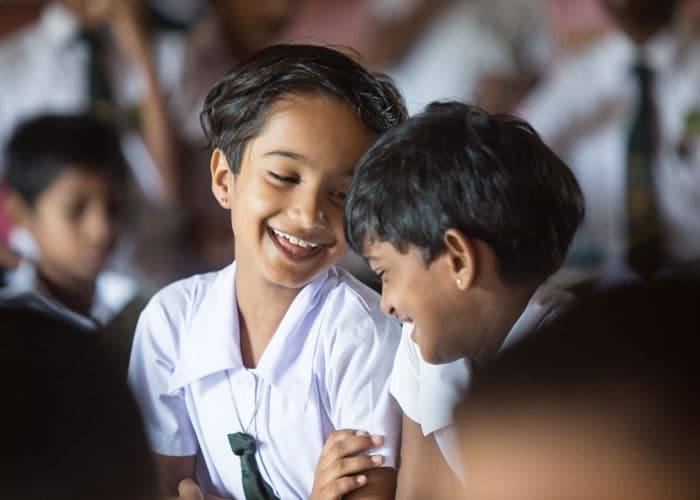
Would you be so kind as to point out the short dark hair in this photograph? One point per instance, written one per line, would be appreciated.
(238, 105)
(628, 354)
(457, 166)
(44, 146)
(71, 415)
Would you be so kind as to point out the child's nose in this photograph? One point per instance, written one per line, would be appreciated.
(100, 226)
(309, 213)
(387, 307)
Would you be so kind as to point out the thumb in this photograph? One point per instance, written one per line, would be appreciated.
(188, 490)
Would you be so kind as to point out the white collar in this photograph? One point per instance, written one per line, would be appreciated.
(211, 342)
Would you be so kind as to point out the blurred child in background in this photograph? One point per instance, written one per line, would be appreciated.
(67, 183)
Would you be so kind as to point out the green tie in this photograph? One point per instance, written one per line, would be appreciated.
(254, 486)
(644, 252)
(101, 97)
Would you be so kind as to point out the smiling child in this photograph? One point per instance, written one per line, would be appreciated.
(281, 348)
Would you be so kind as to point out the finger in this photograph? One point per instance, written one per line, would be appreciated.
(344, 485)
(334, 450)
(188, 490)
(339, 435)
(352, 445)
(354, 465)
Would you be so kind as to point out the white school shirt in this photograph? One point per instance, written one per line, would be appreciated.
(327, 367)
(427, 393)
(584, 111)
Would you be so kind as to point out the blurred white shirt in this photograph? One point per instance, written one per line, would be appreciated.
(584, 111)
(44, 70)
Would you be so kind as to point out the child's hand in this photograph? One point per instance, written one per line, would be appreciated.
(338, 470)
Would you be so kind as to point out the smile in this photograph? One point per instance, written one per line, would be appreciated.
(295, 241)
(294, 248)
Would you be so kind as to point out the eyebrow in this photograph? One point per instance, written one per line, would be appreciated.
(345, 171)
(287, 154)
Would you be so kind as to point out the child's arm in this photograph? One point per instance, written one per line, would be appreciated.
(170, 471)
(340, 471)
(423, 473)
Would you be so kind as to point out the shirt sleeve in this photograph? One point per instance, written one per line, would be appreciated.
(405, 375)
(358, 380)
(153, 357)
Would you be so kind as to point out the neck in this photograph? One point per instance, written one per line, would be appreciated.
(261, 307)
(75, 294)
(498, 310)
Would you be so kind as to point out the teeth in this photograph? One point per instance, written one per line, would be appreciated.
(294, 240)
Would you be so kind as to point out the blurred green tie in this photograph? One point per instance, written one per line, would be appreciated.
(644, 249)
(254, 486)
(100, 91)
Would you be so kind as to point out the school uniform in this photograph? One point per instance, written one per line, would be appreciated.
(585, 109)
(327, 367)
(427, 393)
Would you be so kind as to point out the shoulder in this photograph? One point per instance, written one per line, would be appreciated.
(354, 308)
(352, 326)
(175, 304)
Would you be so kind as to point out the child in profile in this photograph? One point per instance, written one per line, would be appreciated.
(463, 215)
(263, 379)
(67, 183)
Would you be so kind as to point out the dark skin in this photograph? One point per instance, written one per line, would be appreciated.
(417, 452)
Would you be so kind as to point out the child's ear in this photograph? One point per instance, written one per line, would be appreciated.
(221, 178)
(462, 258)
(17, 210)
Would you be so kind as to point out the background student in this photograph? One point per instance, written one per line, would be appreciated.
(625, 115)
(67, 183)
(247, 372)
(463, 215)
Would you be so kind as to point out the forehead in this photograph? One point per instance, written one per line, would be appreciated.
(316, 129)
(385, 252)
(77, 179)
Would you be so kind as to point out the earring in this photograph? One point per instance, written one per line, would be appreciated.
(459, 283)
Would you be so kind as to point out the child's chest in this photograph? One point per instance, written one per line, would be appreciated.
(289, 433)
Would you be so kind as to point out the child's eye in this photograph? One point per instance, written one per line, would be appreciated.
(338, 195)
(381, 274)
(283, 178)
(76, 209)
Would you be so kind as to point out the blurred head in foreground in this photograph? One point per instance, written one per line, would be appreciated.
(72, 428)
(603, 404)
